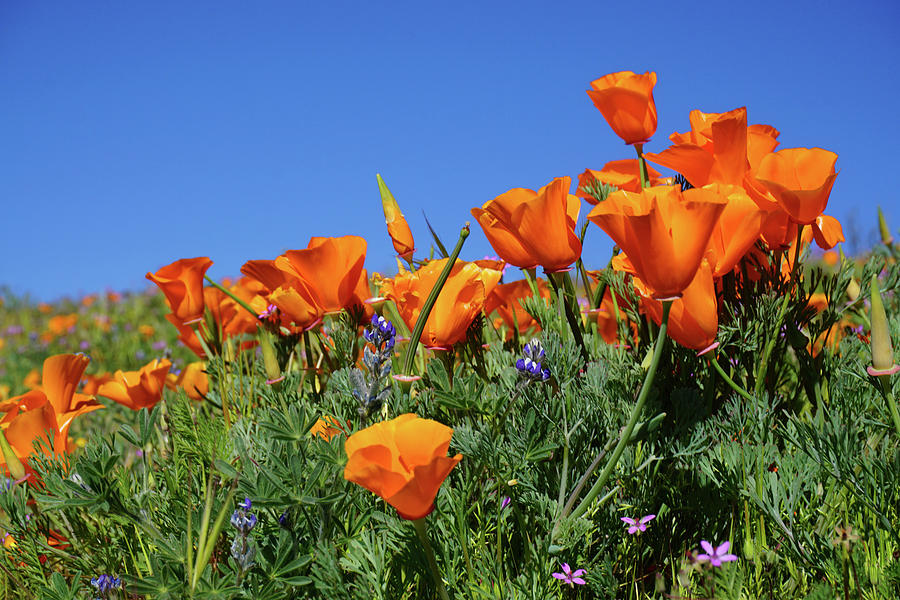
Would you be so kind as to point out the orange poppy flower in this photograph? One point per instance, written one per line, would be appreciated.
(403, 460)
(622, 174)
(736, 231)
(138, 389)
(332, 267)
(663, 231)
(61, 324)
(295, 299)
(397, 226)
(182, 284)
(626, 101)
(714, 151)
(192, 379)
(460, 301)
(693, 318)
(93, 382)
(326, 428)
(528, 228)
(800, 179)
(52, 406)
(504, 299)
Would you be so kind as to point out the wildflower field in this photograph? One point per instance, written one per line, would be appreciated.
(710, 412)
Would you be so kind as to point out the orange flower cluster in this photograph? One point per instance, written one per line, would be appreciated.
(679, 244)
(325, 277)
(182, 284)
(49, 409)
(461, 299)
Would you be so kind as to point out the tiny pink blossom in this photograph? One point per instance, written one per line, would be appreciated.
(716, 556)
(569, 576)
(639, 525)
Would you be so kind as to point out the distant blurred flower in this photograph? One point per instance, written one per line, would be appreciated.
(716, 556)
(569, 576)
(639, 525)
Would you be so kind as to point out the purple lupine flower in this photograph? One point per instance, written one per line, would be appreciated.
(569, 576)
(506, 502)
(246, 504)
(716, 556)
(639, 525)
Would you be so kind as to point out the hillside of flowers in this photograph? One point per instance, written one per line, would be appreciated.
(708, 412)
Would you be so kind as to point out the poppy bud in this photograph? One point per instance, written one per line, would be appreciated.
(396, 223)
(886, 237)
(882, 351)
(270, 361)
(15, 466)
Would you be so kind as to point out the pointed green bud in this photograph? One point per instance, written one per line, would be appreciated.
(270, 361)
(853, 290)
(15, 466)
(880, 336)
(886, 238)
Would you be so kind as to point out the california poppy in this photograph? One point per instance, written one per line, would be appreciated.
(460, 301)
(626, 101)
(800, 179)
(192, 379)
(505, 299)
(621, 174)
(138, 389)
(693, 318)
(295, 299)
(182, 284)
(528, 228)
(332, 267)
(326, 428)
(663, 231)
(737, 229)
(50, 407)
(403, 460)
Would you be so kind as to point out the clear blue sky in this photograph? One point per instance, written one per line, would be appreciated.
(137, 133)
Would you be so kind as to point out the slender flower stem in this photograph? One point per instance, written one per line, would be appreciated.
(764, 364)
(228, 293)
(645, 178)
(422, 534)
(744, 393)
(889, 397)
(625, 436)
(429, 302)
(562, 281)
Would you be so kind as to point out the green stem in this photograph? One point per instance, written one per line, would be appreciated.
(645, 178)
(228, 293)
(429, 302)
(764, 364)
(421, 532)
(625, 436)
(886, 389)
(744, 393)
(562, 281)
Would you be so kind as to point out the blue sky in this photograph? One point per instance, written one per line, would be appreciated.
(135, 134)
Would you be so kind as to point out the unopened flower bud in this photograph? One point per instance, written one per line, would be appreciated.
(886, 238)
(880, 336)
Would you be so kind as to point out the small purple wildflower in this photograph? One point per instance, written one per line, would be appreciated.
(105, 584)
(506, 502)
(639, 525)
(84, 345)
(716, 556)
(246, 504)
(569, 576)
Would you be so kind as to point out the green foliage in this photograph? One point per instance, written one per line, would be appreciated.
(781, 475)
